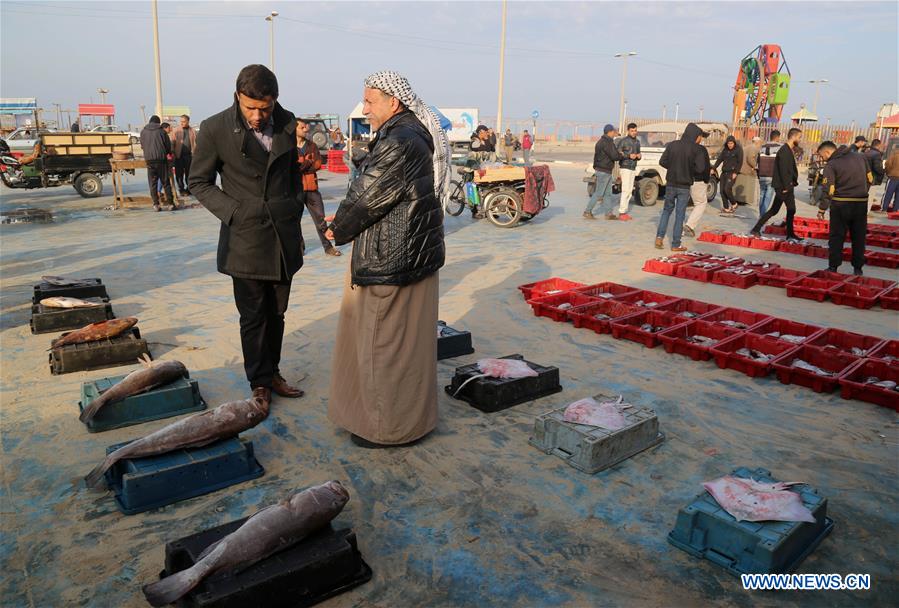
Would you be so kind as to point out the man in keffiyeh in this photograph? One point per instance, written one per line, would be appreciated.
(384, 375)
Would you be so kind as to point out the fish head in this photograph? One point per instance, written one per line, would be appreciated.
(329, 493)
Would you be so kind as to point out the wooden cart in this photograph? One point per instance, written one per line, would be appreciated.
(500, 191)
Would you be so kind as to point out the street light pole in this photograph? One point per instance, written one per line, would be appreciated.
(817, 82)
(664, 111)
(271, 40)
(156, 59)
(502, 69)
(621, 110)
(676, 111)
(102, 93)
(143, 113)
(59, 117)
(700, 113)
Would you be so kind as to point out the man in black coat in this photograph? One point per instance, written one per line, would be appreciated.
(157, 146)
(252, 146)
(845, 185)
(786, 178)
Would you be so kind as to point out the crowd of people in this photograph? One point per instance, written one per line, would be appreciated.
(482, 146)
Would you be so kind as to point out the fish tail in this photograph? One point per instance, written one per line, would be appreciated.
(95, 477)
(176, 586)
(88, 413)
(461, 386)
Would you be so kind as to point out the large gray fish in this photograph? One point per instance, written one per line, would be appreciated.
(267, 532)
(227, 420)
(152, 375)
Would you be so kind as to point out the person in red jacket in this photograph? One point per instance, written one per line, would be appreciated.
(310, 161)
(526, 144)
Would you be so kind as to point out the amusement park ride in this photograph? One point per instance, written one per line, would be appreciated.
(762, 87)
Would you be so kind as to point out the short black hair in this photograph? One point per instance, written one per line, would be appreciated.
(165, 125)
(303, 120)
(875, 142)
(793, 132)
(155, 119)
(775, 133)
(631, 125)
(257, 82)
(826, 145)
(186, 116)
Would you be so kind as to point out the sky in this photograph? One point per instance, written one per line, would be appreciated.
(559, 55)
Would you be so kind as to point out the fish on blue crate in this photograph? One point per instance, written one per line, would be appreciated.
(492, 385)
(452, 342)
(141, 484)
(705, 529)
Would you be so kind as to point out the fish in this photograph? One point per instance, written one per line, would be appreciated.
(153, 374)
(859, 352)
(95, 331)
(553, 292)
(607, 296)
(646, 304)
(268, 531)
(889, 358)
(688, 314)
(698, 339)
(736, 324)
(753, 354)
(588, 411)
(887, 384)
(62, 281)
(786, 337)
(750, 500)
(564, 306)
(62, 302)
(799, 363)
(650, 328)
(500, 368)
(226, 420)
(601, 317)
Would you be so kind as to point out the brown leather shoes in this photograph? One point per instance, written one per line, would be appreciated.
(263, 394)
(281, 388)
(333, 251)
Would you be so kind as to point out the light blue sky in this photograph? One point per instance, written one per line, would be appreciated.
(559, 54)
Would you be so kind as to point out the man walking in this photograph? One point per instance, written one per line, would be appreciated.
(310, 159)
(605, 156)
(874, 156)
(157, 146)
(185, 139)
(786, 178)
(699, 190)
(252, 145)
(891, 196)
(749, 171)
(683, 162)
(629, 150)
(509, 145)
(765, 165)
(526, 144)
(384, 374)
(491, 145)
(846, 181)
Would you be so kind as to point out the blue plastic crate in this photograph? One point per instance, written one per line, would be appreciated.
(706, 530)
(179, 397)
(141, 484)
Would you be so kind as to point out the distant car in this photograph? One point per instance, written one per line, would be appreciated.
(24, 138)
(134, 136)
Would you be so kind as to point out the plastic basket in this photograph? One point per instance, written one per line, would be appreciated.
(713, 236)
(729, 277)
(689, 309)
(780, 277)
(846, 341)
(887, 351)
(745, 318)
(605, 290)
(646, 299)
(855, 295)
(703, 273)
(556, 306)
(727, 357)
(834, 361)
(787, 328)
(547, 287)
(629, 328)
(665, 266)
(811, 288)
(676, 340)
(853, 385)
(585, 316)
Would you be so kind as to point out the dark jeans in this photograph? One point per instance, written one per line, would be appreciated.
(676, 201)
(851, 217)
(159, 170)
(316, 208)
(890, 200)
(727, 191)
(261, 305)
(780, 198)
(182, 171)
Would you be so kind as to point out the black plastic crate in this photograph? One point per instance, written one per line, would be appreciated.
(321, 566)
(45, 319)
(124, 349)
(451, 342)
(496, 394)
(85, 288)
(141, 484)
(705, 530)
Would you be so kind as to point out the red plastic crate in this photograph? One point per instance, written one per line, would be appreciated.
(853, 385)
(697, 273)
(628, 328)
(540, 288)
(779, 277)
(813, 233)
(649, 299)
(746, 317)
(605, 291)
(549, 306)
(882, 284)
(811, 221)
(879, 240)
(829, 275)
(760, 266)
(696, 308)
(810, 288)
(737, 240)
(713, 236)
(888, 351)
(728, 277)
(890, 299)
(787, 328)
(725, 353)
(584, 316)
(882, 259)
(675, 339)
(817, 251)
(838, 339)
(765, 244)
(775, 229)
(836, 362)
(725, 260)
(883, 229)
(666, 265)
(795, 248)
(852, 294)
(893, 215)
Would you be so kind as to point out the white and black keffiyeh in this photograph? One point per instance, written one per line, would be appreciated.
(396, 85)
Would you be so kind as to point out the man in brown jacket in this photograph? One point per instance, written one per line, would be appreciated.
(890, 200)
(748, 177)
(184, 142)
(310, 161)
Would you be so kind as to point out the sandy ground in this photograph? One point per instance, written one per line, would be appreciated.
(473, 515)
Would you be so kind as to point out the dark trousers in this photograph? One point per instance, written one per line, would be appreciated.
(159, 170)
(727, 191)
(261, 305)
(851, 217)
(316, 207)
(182, 171)
(780, 198)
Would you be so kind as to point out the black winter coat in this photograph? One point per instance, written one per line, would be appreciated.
(731, 159)
(846, 177)
(683, 159)
(155, 142)
(260, 201)
(391, 212)
(786, 175)
(605, 155)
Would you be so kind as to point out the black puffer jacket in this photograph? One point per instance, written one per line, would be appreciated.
(605, 155)
(732, 159)
(846, 177)
(683, 160)
(155, 142)
(391, 212)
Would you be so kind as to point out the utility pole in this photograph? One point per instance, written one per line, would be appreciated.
(664, 111)
(271, 40)
(156, 58)
(502, 69)
(676, 111)
(59, 117)
(700, 113)
(817, 83)
(621, 107)
(624, 117)
(143, 113)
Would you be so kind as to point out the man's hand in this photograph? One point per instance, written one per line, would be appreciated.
(329, 234)
(733, 176)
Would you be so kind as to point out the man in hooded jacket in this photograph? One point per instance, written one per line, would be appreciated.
(731, 157)
(683, 161)
(157, 147)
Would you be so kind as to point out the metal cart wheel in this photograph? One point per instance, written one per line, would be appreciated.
(503, 207)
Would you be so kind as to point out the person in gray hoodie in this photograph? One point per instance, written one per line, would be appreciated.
(156, 146)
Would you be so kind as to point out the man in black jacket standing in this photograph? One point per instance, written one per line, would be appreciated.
(683, 162)
(605, 156)
(786, 178)
(157, 146)
(252, 146)
(845, 186)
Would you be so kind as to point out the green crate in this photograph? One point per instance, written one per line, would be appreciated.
(45, 319)
(778, 88)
